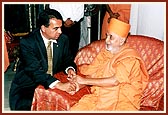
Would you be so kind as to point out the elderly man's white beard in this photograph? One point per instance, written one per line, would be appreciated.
(111, 49)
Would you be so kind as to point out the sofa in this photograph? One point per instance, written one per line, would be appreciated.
(150, 49)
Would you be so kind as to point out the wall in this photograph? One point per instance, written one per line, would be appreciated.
(148, 19)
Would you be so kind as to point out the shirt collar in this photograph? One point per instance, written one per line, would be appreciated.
(46, 40)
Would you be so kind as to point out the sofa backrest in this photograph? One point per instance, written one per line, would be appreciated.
(152, 52)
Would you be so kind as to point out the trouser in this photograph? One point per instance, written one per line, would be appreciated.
(20, 99)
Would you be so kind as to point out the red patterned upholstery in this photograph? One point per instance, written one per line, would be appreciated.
(152, 52)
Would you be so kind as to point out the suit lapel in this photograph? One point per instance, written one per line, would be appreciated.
(42, 49)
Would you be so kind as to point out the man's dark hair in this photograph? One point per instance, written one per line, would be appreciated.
(46, 15)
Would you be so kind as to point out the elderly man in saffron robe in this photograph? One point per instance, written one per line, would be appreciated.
(117, 76)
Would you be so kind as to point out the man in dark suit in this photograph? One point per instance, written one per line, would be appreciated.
(33, 65)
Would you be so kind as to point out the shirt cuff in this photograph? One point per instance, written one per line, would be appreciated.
(70, 67)
(53, 84)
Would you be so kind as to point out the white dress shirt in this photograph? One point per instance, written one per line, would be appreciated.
(73, 11)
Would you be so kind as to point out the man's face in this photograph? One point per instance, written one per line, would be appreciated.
(113, 41)
(54, 29)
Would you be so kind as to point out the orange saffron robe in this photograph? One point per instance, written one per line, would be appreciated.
(128, 68)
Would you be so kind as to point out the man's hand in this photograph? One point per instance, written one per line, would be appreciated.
(73, 80)
(79, 81)
(114, 15)
(68, 86)
(71, 88)
(69, 23)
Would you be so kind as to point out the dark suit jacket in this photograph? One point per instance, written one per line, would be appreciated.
(32, 68)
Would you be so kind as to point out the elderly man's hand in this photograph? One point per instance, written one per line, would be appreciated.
(75, 83)
(71, 74)
(68, 86)
(73, 88)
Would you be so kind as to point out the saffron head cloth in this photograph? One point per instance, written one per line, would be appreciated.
(118, 27)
